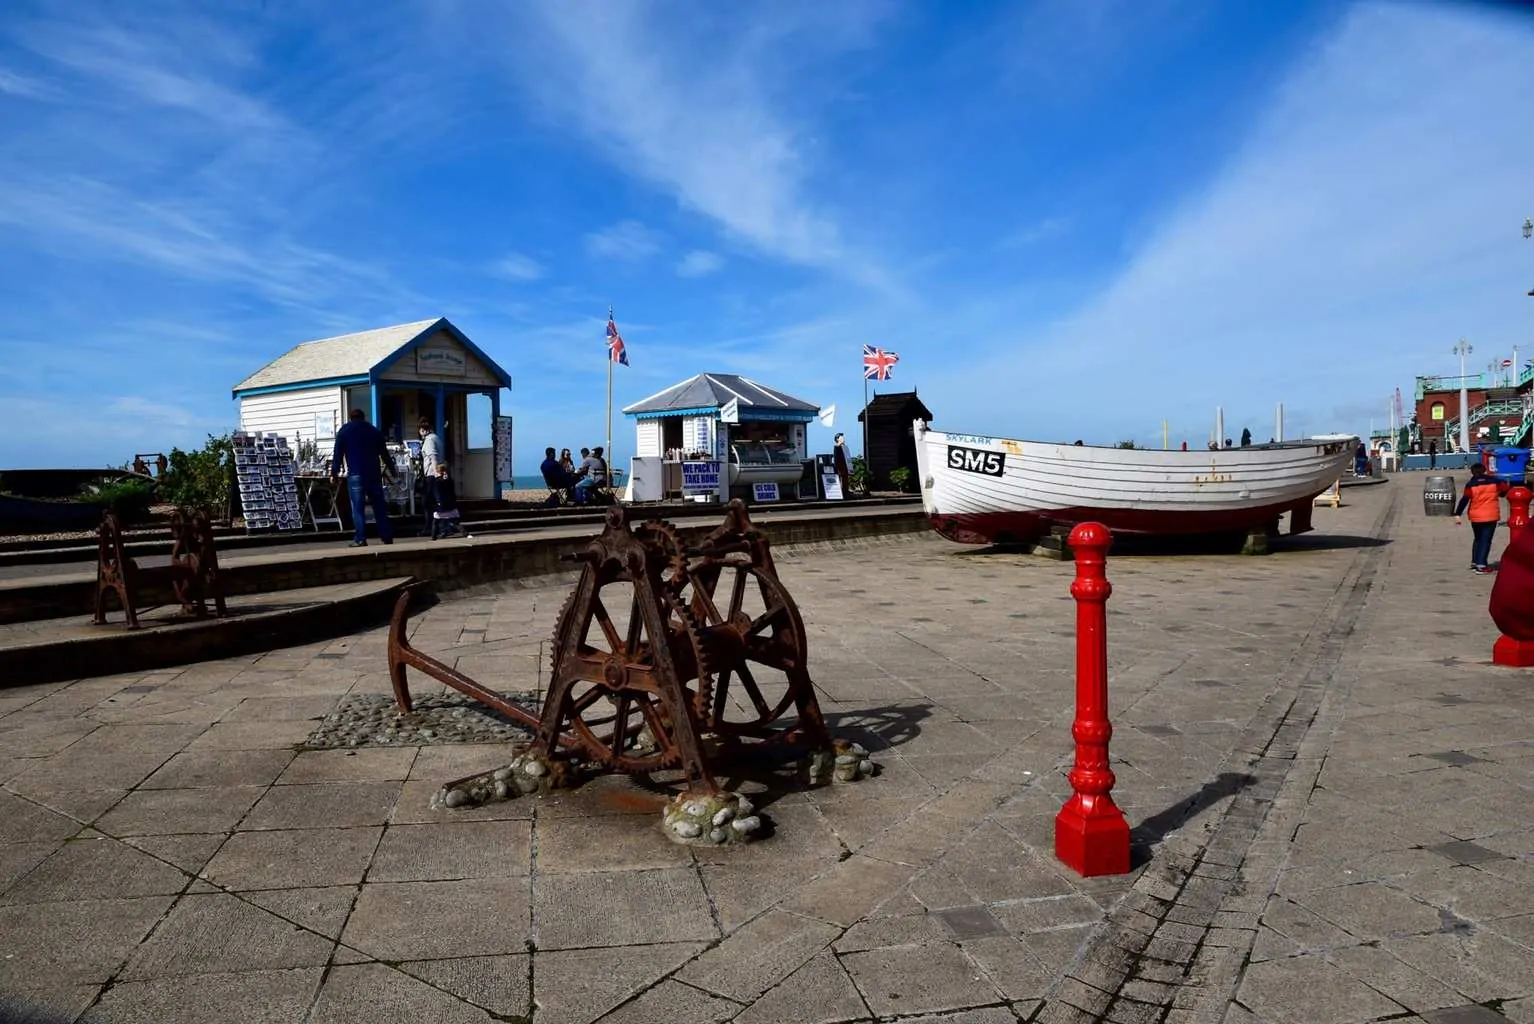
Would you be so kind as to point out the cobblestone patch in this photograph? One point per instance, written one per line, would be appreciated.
(372, 720)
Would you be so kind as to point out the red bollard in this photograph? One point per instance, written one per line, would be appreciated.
(1518, 498)
(1091, 835)
(1508, 651)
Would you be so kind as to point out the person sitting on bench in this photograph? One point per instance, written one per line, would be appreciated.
(593, 476)
(557, 477)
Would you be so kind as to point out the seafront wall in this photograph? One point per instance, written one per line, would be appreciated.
(450, 565)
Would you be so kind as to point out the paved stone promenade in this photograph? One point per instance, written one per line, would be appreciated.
(1332, 793)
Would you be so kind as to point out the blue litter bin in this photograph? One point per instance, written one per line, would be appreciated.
(1511, 464)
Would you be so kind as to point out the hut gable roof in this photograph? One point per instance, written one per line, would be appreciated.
(903, 404)
(714, 390)
(355, 355)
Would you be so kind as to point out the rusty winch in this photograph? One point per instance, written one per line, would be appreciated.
(666, 656)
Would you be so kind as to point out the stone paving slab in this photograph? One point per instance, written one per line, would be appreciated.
(1331, 794)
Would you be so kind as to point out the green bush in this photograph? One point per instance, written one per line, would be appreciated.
(130, 499)
(858, 475)
(900, 478)
(201, 479)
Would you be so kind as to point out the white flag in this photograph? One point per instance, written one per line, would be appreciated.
(827, 416)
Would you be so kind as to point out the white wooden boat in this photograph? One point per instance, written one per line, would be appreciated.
(983, 490)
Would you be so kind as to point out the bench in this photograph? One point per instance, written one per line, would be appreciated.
(192, 574)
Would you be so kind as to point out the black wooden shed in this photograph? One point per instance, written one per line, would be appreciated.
(891, 442)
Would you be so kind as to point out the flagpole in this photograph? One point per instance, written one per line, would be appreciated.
(609, 451)
(866, 467)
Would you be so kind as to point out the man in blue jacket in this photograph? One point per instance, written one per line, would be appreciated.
(362, 447)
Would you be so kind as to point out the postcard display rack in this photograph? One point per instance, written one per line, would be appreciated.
(264, 468)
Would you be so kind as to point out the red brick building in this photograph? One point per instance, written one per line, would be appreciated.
(1496, 413)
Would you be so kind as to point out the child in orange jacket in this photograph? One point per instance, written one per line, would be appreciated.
(1483, 497)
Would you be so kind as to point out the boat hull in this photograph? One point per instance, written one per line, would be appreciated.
(982, 490)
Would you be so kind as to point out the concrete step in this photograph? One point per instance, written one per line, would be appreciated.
(71, 647)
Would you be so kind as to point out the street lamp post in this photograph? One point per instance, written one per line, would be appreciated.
(1463, 348)
(1528, 230)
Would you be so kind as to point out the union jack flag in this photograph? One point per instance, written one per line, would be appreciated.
(877, 363)
(615, 350)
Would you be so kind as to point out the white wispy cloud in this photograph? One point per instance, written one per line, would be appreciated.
(151, 412)
(1031, 234)
(700, 263)
(689, 108)
(174, 69)
(518, 267)
(132, 423)
(627, 240)
(1368, 220)
(90, 221)
(13, 83)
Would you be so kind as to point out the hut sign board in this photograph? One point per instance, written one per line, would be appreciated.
(441, 361)
(764, 492)
(503, 450)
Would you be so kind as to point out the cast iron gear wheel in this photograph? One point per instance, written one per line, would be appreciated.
(663, 537)
(602, 724)
(703, 695)
(565, 611)
(608, 750)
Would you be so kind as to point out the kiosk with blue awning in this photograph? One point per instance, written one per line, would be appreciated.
(716, 436)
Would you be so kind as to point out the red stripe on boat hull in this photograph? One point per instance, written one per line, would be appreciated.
(1020, 527)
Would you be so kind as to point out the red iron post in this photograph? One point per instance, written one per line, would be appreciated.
(1091, 835)
(1518, 498)
(1508, 651)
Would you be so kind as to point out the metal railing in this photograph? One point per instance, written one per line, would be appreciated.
(1524, 427)
(1470, 382)
(1505, 407)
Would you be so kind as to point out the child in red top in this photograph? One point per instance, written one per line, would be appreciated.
(1483, 496)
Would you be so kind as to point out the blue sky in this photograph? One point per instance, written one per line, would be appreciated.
(1069, 219)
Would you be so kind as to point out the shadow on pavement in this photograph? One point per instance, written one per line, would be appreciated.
(766, 775)
(1326, 542)
(1153, 830)
(879, 728)
(1135, 546)
(15, 1010)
